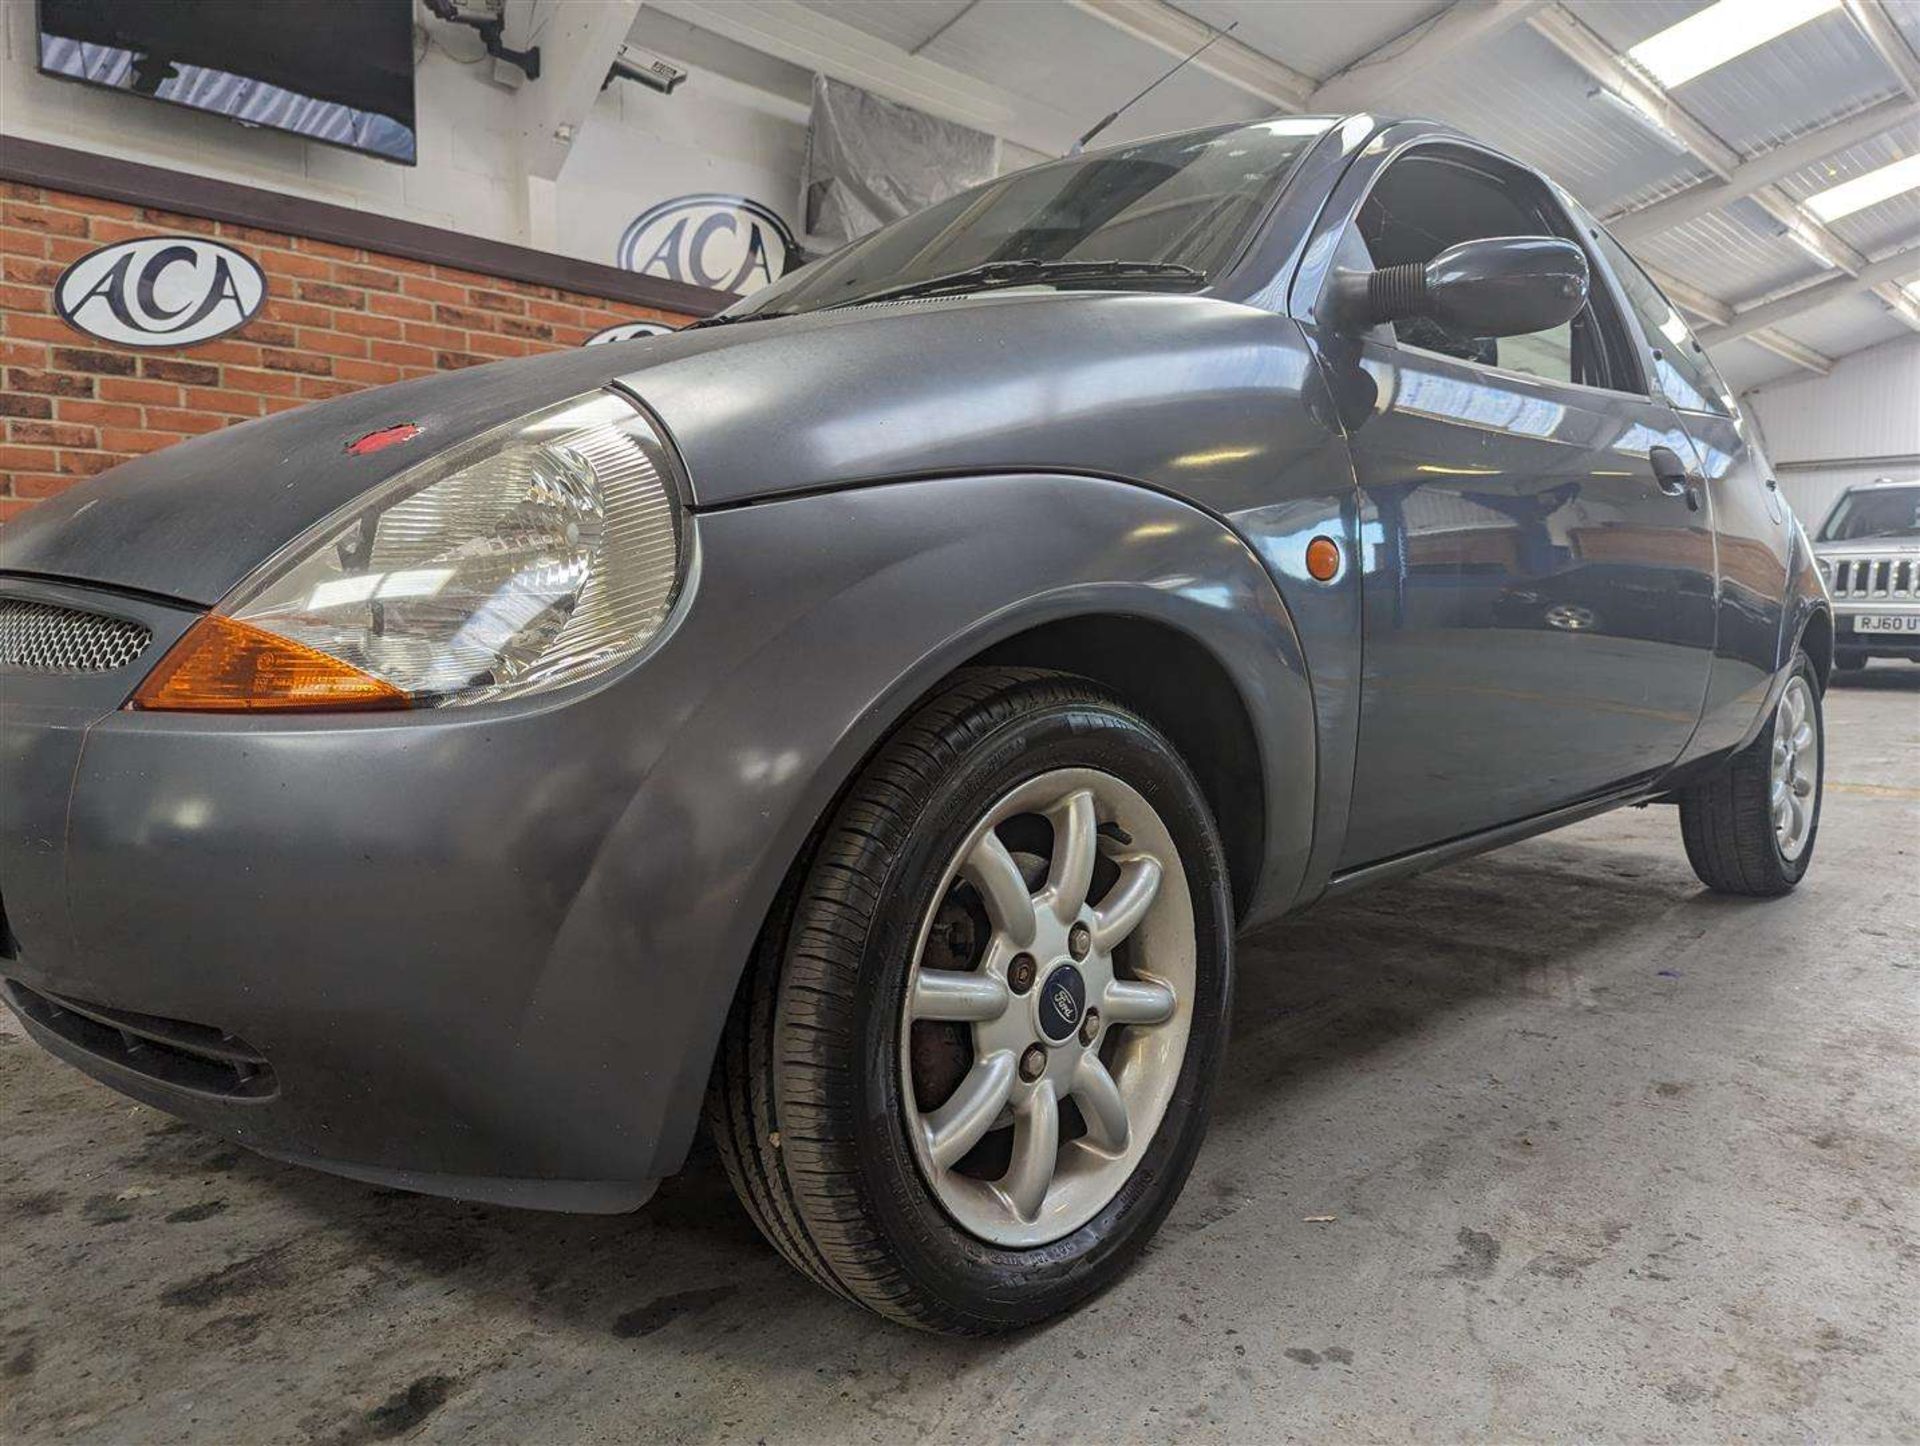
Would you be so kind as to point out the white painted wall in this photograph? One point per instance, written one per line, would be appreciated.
(637, 148)
(1869, 407)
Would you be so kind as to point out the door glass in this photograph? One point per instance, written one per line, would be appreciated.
(1687, 379)
(1429, 201)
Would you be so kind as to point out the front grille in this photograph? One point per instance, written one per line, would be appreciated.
(187, 1056)
(37, 637)
(1875, 577)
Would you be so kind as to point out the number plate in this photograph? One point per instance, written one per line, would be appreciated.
(1887, 623)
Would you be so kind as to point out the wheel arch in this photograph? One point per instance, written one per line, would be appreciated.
(1816, 641)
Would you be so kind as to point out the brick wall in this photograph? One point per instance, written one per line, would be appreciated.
(336, 319)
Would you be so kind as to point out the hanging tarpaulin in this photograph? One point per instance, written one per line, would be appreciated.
(870, 161)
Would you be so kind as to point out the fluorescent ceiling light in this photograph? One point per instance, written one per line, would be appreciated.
(1868, 190)
(1717, 34)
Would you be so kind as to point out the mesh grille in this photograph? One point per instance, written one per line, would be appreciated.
(38, 637)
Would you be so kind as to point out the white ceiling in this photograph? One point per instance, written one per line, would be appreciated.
(1057, 68)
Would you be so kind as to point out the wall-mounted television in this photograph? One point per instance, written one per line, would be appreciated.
(339, 71)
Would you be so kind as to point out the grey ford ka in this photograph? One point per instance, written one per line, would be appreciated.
(861, 722)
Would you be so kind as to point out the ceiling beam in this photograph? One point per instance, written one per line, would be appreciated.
(807, 38)
(578, 44)
(1763, 170)
(1384, 69)
(1747, 320)
(1711, 308)
(1176, 33)
(1887, 41)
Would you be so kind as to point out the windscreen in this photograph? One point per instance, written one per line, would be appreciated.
(1883, 512)
(1189, 199)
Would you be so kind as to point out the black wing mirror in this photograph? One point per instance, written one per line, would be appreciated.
(1504, 286)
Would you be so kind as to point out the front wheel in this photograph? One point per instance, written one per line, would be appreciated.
(1750, 830)
(970, 1069)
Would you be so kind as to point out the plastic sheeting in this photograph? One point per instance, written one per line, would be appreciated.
(871, 161)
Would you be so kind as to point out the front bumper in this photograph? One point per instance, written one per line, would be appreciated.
(1850, 641)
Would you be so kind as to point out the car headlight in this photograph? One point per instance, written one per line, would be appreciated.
(1826, 569)
(540, 553)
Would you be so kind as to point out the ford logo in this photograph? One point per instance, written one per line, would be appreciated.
(170, 291)
(1064, 1002)
(722, 243)
(627, 331)
(1061, 1000)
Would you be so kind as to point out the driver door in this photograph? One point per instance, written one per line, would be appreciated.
(1538, 616)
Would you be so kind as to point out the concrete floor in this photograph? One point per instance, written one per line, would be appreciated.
(1607, 1157)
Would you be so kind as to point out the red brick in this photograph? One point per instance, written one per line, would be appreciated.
(65, 250)
(498, 301)
(332, 343)
(93, 205)
(283, 404)
(192, 423)
(327, 248)
(58, 384)
(234, 231)
(277, 384)
(556, 311)
(15, 353)
(442, 337)
(293, 361)
(40, 328)
(369, 373)
(10, 507)
(104, 414)
(400, 354)
(106, 231)
(531, 330)
(25, 459)
(371, 277)
(39, 218)
(300, 313)
(29, 268)
(292, 263)
(449, 361)
(87, 464)
(24, 298)
(270, 333)
(16, 242)
(20, 191)
(122, 389)
(124, 439)
(408, 308)
(101, 363)
(320, 388)
(189, 373)
(25, 405)
(177, 221)
(466, 318)
(360, 323)
(43, 484)
(228, 351)
(497, 346)
(323, 294)
(224, 400)
(52, 434)
(428, 289)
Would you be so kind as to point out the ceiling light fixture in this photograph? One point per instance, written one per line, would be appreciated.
(1717, 34)
(1868, 190)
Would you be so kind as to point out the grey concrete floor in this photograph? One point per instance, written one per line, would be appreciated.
(1608, 1157)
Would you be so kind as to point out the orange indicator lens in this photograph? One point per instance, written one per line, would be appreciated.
(224, 666)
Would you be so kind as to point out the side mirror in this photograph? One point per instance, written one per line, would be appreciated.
(1504, 286)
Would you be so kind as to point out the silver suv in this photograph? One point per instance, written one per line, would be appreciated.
(1868, 551)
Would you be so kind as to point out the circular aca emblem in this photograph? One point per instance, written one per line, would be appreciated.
(723, 243)
(160, 291)
(627, 331)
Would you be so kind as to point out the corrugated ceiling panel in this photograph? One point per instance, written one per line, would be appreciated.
(1540, 112)
(1728, 259)
(1022, 47)
(1788, 86)
(1847, 325)
(1623, 24)
(1315, 37)
(1745, 364)
(1877, 228)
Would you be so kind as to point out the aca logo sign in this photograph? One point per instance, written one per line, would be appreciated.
(627, 331)
(170, 291)
(724, 243)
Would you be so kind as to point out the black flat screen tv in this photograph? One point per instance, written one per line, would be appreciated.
(339, 71)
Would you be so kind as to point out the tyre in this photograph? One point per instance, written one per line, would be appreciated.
(1751, 829)
(970, 1067)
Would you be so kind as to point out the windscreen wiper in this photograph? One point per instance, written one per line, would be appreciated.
(993, 274)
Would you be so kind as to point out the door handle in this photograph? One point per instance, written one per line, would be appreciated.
(1674, 478)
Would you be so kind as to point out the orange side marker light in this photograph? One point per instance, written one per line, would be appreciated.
(1323, 559)
(225, 666)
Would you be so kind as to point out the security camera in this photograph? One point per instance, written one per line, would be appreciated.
(633, 63)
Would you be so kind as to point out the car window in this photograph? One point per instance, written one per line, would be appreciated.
(1881, 513)
(1428, 201)
(1189, 199)
(1686, 378)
